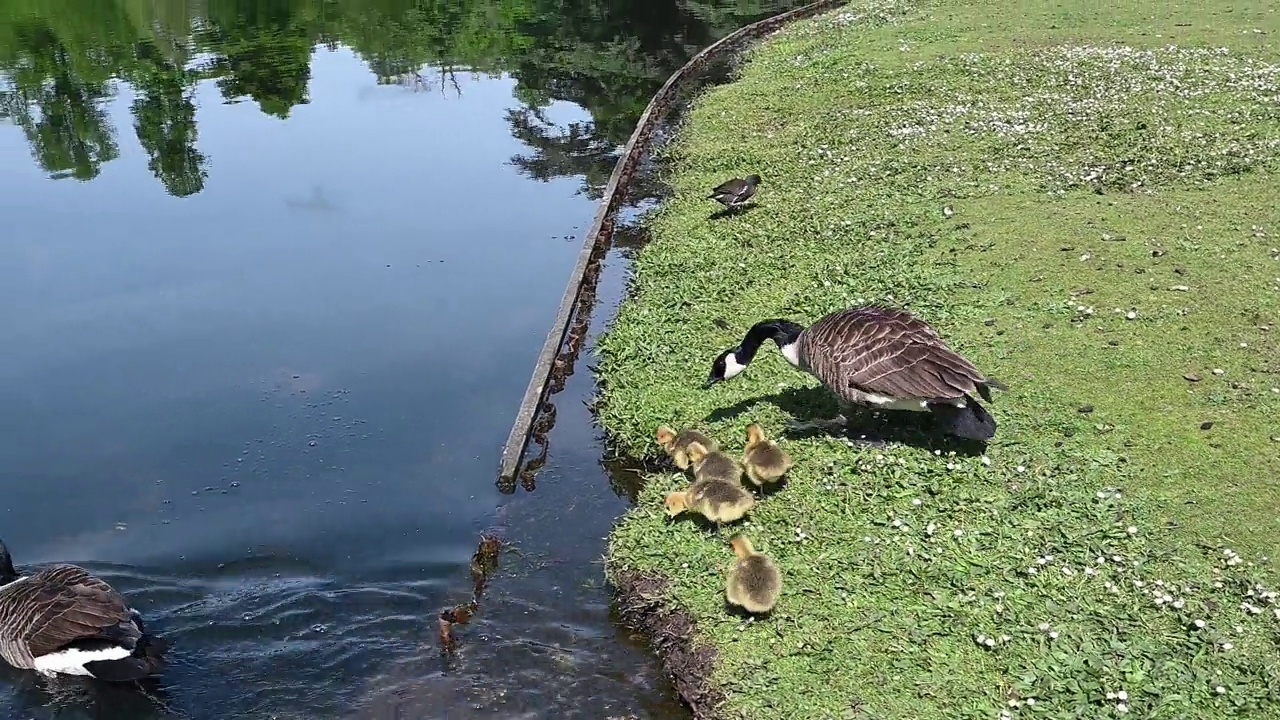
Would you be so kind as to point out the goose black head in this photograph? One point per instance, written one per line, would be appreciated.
(752, 180)
(7, 573)
(725, 366)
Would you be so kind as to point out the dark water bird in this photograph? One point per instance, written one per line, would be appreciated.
(733, 193)
(876, 357)
(62, 620)
(753, 581)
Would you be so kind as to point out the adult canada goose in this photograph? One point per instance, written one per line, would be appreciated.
(735, 192)
(64, 620)
(879, 357)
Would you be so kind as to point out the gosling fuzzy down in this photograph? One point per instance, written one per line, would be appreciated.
(713, 464)
(676, 444)
(716, 500)
(753, 581)
(764, 461)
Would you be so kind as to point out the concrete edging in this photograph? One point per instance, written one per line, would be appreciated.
(598, 236)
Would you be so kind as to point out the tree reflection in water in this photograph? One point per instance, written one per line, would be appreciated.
(61, 59)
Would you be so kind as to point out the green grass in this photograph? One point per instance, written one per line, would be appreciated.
(1101, 161)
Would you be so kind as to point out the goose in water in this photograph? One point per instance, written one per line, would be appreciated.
(876, 357)
(64, 620)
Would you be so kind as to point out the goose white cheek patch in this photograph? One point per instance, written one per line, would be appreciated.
(732, 367)
(791, 353)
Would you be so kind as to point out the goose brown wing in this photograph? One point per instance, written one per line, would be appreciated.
(62, 604)
(886, 351)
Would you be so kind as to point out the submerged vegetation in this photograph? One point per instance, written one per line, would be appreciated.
(1082, 201)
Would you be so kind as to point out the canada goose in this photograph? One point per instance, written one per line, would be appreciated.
(753, 581)
(735, 192)
(880, 357)
(716, 500)
(764, 460)
(677, 445)
(64, 620)
(713, 465)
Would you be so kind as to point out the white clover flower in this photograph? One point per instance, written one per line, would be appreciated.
(1122, 696)
(1131, 530)
(1220, 690)
(1122, 708)
(1044, 627)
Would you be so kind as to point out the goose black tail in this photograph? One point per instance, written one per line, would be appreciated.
(985, 387)
(146, 661)
(971, 422)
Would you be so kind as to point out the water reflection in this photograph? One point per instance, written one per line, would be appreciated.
(62, 58)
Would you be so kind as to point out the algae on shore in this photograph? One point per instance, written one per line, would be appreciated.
(1111, 255)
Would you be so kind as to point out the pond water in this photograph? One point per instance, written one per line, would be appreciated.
(273, 276)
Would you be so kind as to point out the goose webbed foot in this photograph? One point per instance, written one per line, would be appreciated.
(854, 424)
(830, 426)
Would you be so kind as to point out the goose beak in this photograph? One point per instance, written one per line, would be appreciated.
(710, 381)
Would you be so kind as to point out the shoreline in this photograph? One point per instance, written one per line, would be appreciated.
(920, 581)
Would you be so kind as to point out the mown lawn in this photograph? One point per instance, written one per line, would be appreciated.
(1112, 256)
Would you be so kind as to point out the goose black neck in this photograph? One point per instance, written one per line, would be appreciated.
(7, 573)
(782, 332)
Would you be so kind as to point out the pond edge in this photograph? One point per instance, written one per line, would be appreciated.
(597, 238)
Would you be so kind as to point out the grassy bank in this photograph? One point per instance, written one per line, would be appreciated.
(1112, 256)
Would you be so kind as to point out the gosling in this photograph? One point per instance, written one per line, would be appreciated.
(764, 460)
(676, 444)
(713, 464)
(716, 500)
(753, 581)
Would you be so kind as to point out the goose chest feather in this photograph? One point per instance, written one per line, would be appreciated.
(876, 356)
(63, 620)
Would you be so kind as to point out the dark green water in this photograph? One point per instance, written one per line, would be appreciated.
(273, 274)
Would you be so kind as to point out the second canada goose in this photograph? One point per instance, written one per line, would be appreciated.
(677, 444)
(764, 460)
(735, 192)
(879, 357)
(62, 620)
